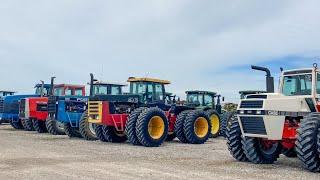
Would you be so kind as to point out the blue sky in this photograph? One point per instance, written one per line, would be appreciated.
(205, 44)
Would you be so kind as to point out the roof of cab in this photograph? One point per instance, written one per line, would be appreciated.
(109, 83)
(134, 79)
(4, 91)
(69, 85)
(201, 92)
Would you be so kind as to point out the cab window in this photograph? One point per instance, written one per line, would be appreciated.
(159, 94)
(208, 101)
(100, 90)
(115, 90)
(78, 92)
(68, 92)
(150, 92)
(297, 85)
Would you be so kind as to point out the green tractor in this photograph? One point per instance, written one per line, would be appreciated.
(210, 102)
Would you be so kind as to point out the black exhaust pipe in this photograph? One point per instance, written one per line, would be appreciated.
(269, 78)
(42, 89)
(52, 86)
(91, 83)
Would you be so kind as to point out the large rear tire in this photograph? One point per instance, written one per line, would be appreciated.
(99, 133)
(131, 126)
(225, 118)
(260, 151)
(112, 135)
(87, 130)
(307, 144)
(72, 132)
(54, 127)
(27, 124)
(152, 127)
(16, 125)
(197, 127)
(215, 122)
(39, 126)
(178, 127)
(234, 140)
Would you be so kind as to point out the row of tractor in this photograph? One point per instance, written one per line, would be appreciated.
(265, 124)
(147, 115)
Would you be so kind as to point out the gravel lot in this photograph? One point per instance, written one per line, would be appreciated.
(28, 155)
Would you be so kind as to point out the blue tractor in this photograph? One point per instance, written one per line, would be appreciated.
(9, 105)
(2, 95)
(71, 111)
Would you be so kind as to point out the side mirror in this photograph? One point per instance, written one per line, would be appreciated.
(223, 99)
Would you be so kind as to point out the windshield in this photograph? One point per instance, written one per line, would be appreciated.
(195, 99)
(78, 92)
(297, 85)
(107, 90)
(45, 91)
(150, 91)
(58, 91)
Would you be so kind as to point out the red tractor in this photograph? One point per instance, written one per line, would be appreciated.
(144, 118)
(33, 111)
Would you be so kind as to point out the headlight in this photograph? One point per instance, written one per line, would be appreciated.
(259, 112)
(241, 112)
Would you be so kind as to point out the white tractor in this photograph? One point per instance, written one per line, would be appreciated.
(287, 122)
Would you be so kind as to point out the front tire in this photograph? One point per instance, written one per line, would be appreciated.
(112, 135)
(54, 127)
(99, 133)
(152, 127)
(234, 140)
(307, 144)
(39, 126)
(16, 125)
(197, 127)
(260, 151)
(178, 127)
(131, 126)
(27, 124)
(72, 132)
(87, 130)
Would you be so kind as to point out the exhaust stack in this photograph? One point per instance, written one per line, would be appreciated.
(269, 78)
(52, 86)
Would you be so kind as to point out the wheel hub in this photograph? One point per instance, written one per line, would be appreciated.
(201, 127)
(156, 127)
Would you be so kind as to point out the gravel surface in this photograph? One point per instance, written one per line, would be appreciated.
(28, 155)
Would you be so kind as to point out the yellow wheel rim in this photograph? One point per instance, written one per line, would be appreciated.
(201, 127)
(215, 124)
(156, 127)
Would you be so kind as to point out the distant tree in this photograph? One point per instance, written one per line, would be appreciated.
(229, 107)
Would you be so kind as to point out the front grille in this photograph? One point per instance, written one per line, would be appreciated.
(94, 111)
(253, 125)
(251, 104)
(42, 107)
(22, 108)
(52, 104)
(1, 105)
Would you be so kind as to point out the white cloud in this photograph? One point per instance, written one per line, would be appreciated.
(187, 42)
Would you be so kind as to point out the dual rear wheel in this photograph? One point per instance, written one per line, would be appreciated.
(193, 127)
(147, 127)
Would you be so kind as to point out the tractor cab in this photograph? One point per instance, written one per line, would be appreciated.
(204, 100)
(42, 89)
(6, 93)
(151, 90)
